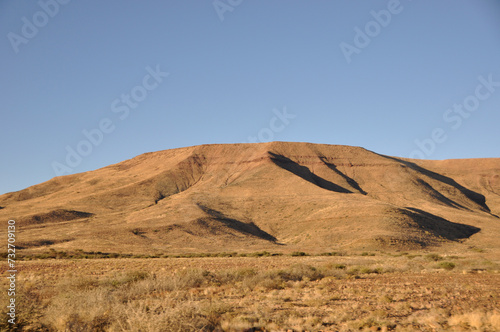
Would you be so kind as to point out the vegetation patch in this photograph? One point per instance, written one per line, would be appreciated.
(433, 257)
(243, 294)
(446, 265)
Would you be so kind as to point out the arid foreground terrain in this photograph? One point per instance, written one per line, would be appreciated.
(385, 292)
(260, 237)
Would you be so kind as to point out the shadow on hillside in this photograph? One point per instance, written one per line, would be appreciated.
(55, 216)
(348, 179)
(440, 197)
(237, 225)
(304, 173)
(185, 174)
(440, 226)
(40, 243)
(472, 195)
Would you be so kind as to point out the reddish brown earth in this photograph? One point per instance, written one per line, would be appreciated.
(270, 196)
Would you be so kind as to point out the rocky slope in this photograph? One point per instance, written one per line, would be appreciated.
(268, 196)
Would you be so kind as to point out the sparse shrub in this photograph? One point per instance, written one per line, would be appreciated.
(82, 283)
(61, 254)
(272, 283)
(127, 278)
(136, 231)
(190, 278)
(81, 311)
(446, 265)
(226, 254)
(365, 270)
(278, 279)
(386, 299)
(333, 253)
(260, 254)
(353, 271)
(434, 257)
(134, 276)
(185, 316)
(212, 313)
(367, 254)
(337, 266)
(244, 273)
(298, 253)
(268, 280)
(77, 322)
(231, 276)
(300, 272)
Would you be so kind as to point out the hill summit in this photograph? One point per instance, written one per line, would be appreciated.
(265, 196)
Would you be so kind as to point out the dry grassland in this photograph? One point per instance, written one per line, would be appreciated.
(352, 292)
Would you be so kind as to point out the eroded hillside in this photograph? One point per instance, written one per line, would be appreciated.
(284, 196)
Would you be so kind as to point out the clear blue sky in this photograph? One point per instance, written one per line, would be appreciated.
(232, 65)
